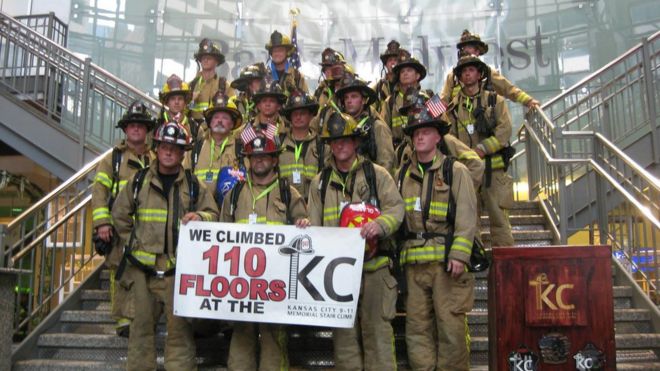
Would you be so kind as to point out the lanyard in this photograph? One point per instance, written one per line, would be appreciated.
(341, 181)
(262, 194)
(469, 105)
(421, 169)
(298, 151)
(222, 149)
(359, 125)
(332, 102)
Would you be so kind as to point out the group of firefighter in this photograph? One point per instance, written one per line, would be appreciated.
(262, 150)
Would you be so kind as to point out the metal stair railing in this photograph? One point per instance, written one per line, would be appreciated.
(619, 100)
(631, 225)
(79, 98)
(50, 244)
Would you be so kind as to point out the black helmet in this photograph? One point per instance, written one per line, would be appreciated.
(208, 47)
(300, 100)
(137, 112)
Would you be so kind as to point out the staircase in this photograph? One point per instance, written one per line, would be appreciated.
(83, 336)
(57, 109)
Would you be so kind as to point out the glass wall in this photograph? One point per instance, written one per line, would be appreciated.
(543, 46)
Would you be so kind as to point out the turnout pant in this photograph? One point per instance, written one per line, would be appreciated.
(437, 333)
(243, 352)
(147, 298)
(369, 345)
(497, 200)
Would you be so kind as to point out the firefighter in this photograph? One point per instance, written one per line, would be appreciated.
(268, 100)
(147, 214)
(218, 149)
(248, 83)
(175, 96)
(355, 97)
(333, 68)
(112, 173)
(280, 69)
(408, 72)
(385, 86)
(440, 289)
(480, 118)
(471, 44)
(303, 152)
(263, 199)
(207, 82)
(415, 100)
(349, 177)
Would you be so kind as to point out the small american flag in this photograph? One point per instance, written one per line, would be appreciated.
(271, 131)
(436, 106)
(248, 134)
(295, 57)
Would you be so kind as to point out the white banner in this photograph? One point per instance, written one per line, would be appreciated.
(276, 274)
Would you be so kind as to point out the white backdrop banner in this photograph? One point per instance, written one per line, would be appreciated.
(276, 274)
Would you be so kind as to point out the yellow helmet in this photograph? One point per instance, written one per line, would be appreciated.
(174, 86)
(341, 125)
(222, 103)
(278, 39)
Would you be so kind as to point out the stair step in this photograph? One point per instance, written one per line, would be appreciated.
(637, 341)
(66, 365)
(636, 356)
(520, 236)
(638, 366)
(519, 219)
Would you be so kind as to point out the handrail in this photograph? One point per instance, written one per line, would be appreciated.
(53, 228)
(552, 160)
(56, 192)
(652, 180)
(10, 19)
(599, 71)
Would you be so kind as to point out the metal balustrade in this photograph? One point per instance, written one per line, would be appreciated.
(595, 181)
(48, 25)
(50, 243)
(618, 101)
(78, 97)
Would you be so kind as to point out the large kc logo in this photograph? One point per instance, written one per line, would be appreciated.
(303, 245)
(544, 290)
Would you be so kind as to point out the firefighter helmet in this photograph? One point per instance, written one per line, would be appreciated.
(351, 82)
(341, 125)
(474, 39)
(255, 71)
(300, 100)
(262, 145)
(208, 47)
(222, 103)
(174, 86)
(172, 132)
(269, 89)
(357, 214)
(393, 50)
(278, 39)
(137, 112)
(331, 57)
(469, 60)
(406, 60)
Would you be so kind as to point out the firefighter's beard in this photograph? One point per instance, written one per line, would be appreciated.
(220, 129)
